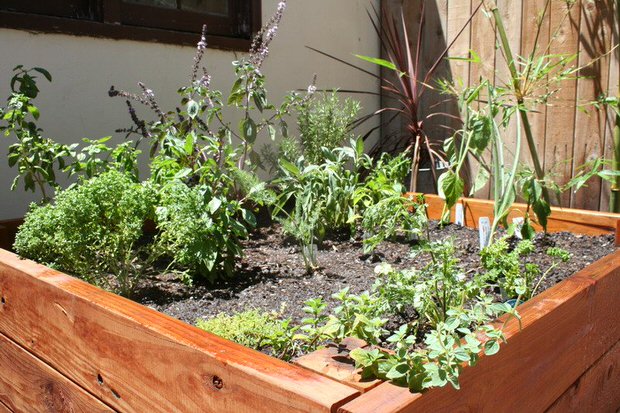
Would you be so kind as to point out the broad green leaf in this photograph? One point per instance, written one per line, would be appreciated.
(290, 167)
(249, 217)
(272, 132)
(182, 173)
(482, 177)
(214, 205)
(189, 144)
(248, 130)
(34, 111)
(44, 73)
(450, 187)
(398, 371)
(491, 347)
(378, 61)
(192, 109)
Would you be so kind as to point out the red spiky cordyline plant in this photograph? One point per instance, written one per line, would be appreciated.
(407, 89)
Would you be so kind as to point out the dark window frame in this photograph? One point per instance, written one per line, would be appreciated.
(229, 33)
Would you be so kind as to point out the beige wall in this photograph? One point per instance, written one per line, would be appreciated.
(76, 105)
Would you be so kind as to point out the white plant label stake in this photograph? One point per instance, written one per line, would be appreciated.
(518, 223)
(484, 228)
(459, 215)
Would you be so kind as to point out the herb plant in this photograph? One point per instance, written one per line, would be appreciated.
(325, 122)
(93, 231)
(452, 311)
(37, 158)
(199, 230)
(255, 329)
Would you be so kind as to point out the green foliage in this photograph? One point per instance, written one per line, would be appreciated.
(323, 195)
(447, 347)
(357, 316)
(325, 122)
(381, 201)
(39, 159)
(92, 231)
(506, 267)
(516, 278)
(199, 230)
(261, 331)
(452, 310)
(334, 195)
(36, 158)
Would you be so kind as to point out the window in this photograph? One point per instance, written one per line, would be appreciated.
(230, 23)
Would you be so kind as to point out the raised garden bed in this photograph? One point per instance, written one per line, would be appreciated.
(68, 346)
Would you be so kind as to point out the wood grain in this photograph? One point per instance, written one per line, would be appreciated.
(334, 362)
(29, 385)
(613, 90)
(5, 409)
(594, 45)
(145, 360)
(574, 220)
(561, 112)
(482, 35)
(564, 331)
(533, 11)
(597, 390)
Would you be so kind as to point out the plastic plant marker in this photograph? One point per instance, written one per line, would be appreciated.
(484, 228)
(459, 215)
(518, 223)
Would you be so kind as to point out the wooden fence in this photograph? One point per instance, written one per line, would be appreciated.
(566, 135)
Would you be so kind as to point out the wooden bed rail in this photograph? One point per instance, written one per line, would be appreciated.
(93, 351)
(578, 221)
(67, 346)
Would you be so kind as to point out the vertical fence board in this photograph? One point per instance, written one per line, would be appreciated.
(482, 43)
(511, 12)
(565, 137)
(594, 44)
(534, 42)
(613, 90)
(561, 114)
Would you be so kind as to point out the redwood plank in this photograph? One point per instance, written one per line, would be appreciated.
(29, 385)
(147, 361)
(532, 12)
(482, 35)
(458, 14)
(574, 220)
(334, 362)
(597, 390)
(594, 44)
(613, 90)
(561, 113)
(4, 408)
(565, 330)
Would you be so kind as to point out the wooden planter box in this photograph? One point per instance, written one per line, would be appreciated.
(67, 346)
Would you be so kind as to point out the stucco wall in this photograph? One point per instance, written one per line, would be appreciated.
(76, 105)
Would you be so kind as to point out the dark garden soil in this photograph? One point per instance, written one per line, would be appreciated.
(271, 276)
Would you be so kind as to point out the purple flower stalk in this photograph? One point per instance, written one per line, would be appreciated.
(260, 45)
(200, 50)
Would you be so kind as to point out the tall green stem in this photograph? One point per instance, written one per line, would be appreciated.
(516, 84)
